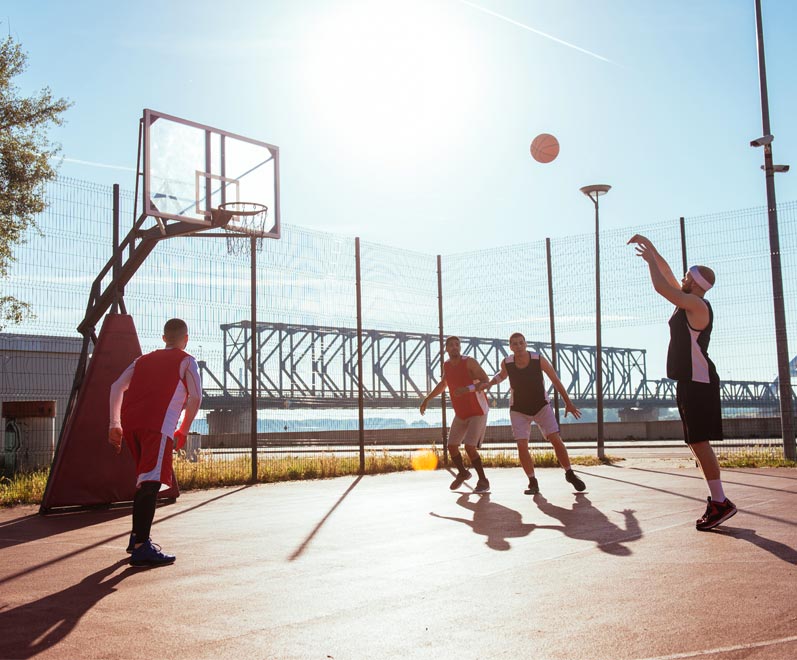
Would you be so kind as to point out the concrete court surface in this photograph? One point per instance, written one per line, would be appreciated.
(397, 566)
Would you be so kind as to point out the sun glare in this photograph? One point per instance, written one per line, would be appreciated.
(388, 78)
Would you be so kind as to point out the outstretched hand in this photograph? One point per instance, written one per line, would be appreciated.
(572, 410)
(644, 247)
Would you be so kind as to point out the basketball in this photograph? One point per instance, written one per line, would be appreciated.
(544, 148)
(424, 459)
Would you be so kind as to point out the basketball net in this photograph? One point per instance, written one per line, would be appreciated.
(247, 219)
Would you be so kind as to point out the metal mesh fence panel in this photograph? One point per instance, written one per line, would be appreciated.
(400, 348)
(306, 332)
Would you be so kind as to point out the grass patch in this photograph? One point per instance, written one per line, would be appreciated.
(212, 471)
(754, 459)
(545, 459)
(24, 488)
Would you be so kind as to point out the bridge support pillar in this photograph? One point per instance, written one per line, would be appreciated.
(639, 414)
(228, 421)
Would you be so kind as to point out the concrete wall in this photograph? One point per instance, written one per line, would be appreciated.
(768, 427)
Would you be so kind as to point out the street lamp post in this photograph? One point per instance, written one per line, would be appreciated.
(781, 339)
(594, 192)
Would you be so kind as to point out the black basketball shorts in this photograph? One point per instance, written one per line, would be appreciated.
(700, 410)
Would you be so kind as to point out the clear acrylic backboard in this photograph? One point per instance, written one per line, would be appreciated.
(191, 169)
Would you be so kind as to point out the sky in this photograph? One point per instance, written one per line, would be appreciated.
(409, 122)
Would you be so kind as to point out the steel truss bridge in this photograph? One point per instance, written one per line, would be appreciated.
(316, 367)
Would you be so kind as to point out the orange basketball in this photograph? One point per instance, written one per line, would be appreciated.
(544, 148)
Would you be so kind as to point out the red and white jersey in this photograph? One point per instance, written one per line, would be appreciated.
(155, 389)
(470, 404)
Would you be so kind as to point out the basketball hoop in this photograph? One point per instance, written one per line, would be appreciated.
(245, 219)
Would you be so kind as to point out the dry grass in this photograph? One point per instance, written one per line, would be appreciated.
(212, 471)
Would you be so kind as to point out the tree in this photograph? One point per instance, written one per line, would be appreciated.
(26, 157)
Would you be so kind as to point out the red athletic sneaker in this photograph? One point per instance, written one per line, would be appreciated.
(716, 514)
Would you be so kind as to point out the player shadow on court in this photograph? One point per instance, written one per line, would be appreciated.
(35, 527)
(494, 521)
(584, 522)
(776, 548)
(35, 627)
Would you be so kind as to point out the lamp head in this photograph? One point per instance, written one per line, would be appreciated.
(596, 190)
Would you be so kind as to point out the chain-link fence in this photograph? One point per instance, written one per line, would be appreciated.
(310, 354)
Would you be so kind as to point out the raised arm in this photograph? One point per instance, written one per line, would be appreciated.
(696, 309)
(645, 244)
(547, 367)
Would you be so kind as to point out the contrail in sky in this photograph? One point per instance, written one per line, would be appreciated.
(542, 34)
(92, 164)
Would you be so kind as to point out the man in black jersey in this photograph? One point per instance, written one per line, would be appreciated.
(529, 403)
(698, 386)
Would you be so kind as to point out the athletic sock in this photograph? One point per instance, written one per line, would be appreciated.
(477, 465)
(144, 503)
(457, 460)
(717, 493)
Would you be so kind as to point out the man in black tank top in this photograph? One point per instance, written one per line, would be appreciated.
(698, 386)
(529, 403)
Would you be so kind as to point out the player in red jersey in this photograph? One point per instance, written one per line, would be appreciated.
(462, 374)
(156, 388)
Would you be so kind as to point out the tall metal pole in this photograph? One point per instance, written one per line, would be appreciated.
(553, 323)
(781, 339)
(253, 305)
(442, 356)
(598, 343)
(594, 192)
(360, 398)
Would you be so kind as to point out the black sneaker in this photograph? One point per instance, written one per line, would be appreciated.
(533, 488)
(716, 514)
(482, 487)
(149, 554)
(462, 477)
(572, 478)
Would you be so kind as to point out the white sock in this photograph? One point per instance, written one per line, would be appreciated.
(717, 494)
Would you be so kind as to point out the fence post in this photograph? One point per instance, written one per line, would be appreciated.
(684, 262)
(553, 323)
(360, 402)
(442, 357)
(253, 305)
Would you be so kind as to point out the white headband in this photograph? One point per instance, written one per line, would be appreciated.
(701, 281)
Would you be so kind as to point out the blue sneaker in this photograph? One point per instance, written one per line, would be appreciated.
(149, 554)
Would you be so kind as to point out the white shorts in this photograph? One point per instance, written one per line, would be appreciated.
(545, 419)
(470, 431)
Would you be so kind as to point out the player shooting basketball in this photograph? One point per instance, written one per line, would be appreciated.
(698, 387)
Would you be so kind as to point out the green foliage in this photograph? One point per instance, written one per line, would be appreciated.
(26, 157)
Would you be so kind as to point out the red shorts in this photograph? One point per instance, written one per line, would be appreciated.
(152, 452)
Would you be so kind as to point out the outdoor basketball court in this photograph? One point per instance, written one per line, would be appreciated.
(397, 566)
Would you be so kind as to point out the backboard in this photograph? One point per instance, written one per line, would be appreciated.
(190, 169)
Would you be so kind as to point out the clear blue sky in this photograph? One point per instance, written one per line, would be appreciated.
(408, 122)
